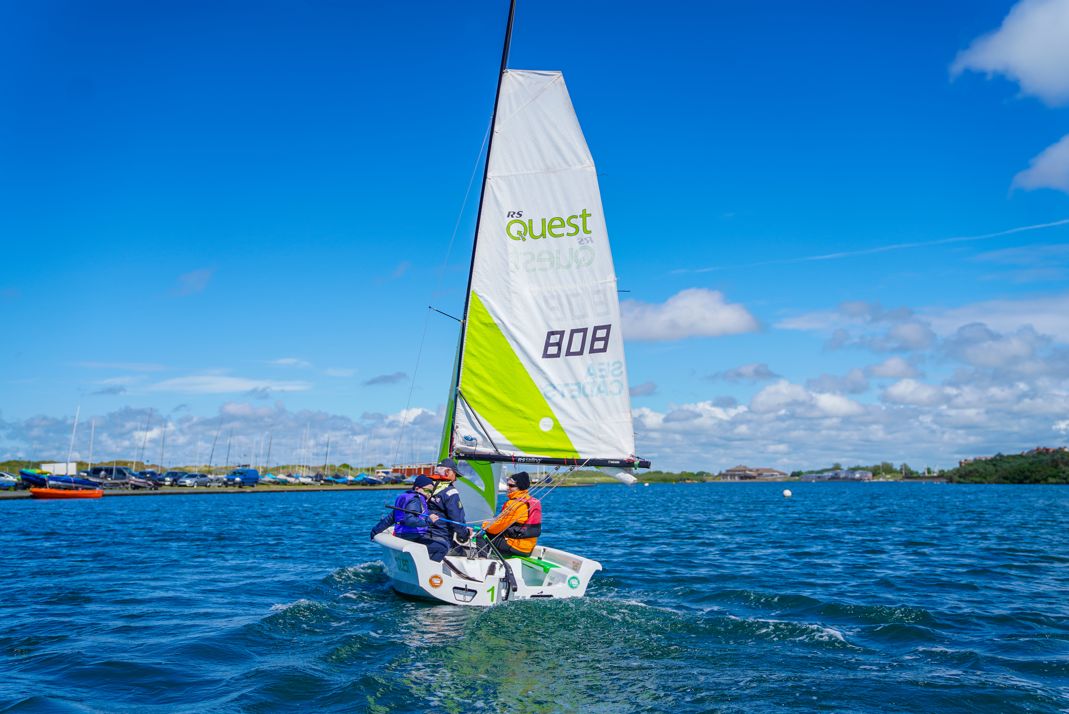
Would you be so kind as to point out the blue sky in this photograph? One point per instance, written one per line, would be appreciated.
(232, 216)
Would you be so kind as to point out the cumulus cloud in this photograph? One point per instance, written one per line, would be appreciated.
(392, 378)
(784, 397)
(853, 382)
(1050, 169)
(1029, 48)
(1048, 315)
(892, 367)
(910, 391)
(695, 312)
(867, 326)
(222, 384)
(978, 345)
(193, 282)
(295, 437)
(755, 372)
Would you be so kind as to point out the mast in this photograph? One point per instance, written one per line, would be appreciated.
(70, 449)
(92, 431)
(479, 215)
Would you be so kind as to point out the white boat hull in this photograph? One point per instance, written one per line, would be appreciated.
(481, 582)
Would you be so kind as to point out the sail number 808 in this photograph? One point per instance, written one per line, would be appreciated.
(579, 341)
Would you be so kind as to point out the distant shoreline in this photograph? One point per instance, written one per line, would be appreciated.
(213, 490)
(209, 491)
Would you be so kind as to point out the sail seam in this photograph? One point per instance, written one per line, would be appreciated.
(584, 167)
(559, 78)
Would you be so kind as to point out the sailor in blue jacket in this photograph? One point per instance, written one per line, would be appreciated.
(412, 519)
(445, 502)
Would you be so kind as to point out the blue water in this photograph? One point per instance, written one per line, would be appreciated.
(714, 597)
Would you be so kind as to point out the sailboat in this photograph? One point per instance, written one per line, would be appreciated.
(540, 377)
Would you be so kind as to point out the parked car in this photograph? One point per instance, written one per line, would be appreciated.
(243, 477)
(216, 480)
(171, 478)
(119, 477)
(150, 475)
(194, 480)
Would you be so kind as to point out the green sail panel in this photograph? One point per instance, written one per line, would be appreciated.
(477, 485)
(496, 385)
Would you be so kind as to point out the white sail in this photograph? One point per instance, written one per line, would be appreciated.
(542, 371)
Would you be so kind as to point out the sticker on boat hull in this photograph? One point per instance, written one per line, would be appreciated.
(435, 581)
(573, 582)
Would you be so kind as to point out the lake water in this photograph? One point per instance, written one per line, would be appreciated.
(714, 597)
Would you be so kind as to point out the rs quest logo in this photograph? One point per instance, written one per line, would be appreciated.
(520, 228)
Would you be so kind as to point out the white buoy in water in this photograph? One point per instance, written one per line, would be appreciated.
(646, 484)
(787, 493)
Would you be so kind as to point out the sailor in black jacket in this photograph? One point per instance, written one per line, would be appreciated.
(445, 501)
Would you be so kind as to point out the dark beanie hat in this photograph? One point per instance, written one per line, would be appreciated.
(522, 479)
(448, 463)
(422, 481)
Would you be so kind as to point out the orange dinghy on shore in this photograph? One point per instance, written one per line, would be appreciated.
(66, 493)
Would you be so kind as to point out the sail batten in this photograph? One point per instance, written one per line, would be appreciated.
(541, 375)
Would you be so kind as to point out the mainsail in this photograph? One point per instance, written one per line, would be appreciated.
(541, 377)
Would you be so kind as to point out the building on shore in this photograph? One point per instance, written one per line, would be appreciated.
(750, 473)
(413, 469)
(839, 475)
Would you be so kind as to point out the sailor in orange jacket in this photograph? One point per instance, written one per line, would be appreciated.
(516, 529)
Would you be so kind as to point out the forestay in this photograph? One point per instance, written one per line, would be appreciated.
(542, 375)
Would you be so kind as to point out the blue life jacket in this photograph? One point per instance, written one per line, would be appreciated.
(404, 510)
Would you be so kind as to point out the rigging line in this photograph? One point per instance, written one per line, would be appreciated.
(544, 492)
(437, 286)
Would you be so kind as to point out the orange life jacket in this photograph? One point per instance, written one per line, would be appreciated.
(520, 522)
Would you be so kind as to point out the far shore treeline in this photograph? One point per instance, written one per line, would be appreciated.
(1038, 466)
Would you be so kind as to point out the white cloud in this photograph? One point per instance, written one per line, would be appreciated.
(1031, 48)
(220, 384)
(1062, 426)
(978, 345)
(853, 382)
(1048, 315)
(892, 367)
(339, 372)
(120, 434)
(912, 392)
(783, 397)
(695, 312)
(1050, 169)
